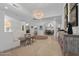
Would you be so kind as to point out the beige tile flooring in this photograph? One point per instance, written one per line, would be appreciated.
(48, 47)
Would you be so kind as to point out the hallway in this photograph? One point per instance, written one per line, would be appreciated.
(48, 47)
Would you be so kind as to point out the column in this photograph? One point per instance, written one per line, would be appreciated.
(68, 12)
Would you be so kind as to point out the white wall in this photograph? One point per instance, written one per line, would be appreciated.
(9, 40)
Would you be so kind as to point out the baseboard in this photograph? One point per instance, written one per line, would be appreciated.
(9, 49)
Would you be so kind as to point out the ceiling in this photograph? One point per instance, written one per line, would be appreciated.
(49, 9)
(24, 11)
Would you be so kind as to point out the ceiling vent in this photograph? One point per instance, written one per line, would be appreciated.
(15, 5)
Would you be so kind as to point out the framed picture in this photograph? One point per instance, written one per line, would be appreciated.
(40, 27)
(74, 14)
(22, 27)
(31, 26)
(72, 5)
(66, 15)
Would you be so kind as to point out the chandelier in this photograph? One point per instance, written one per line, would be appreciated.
(38, 14)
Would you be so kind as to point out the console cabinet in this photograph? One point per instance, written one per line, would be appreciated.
(69, 44)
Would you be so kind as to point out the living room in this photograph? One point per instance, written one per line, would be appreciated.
(43, 23)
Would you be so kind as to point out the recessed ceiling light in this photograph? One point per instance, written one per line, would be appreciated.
(6, 7)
